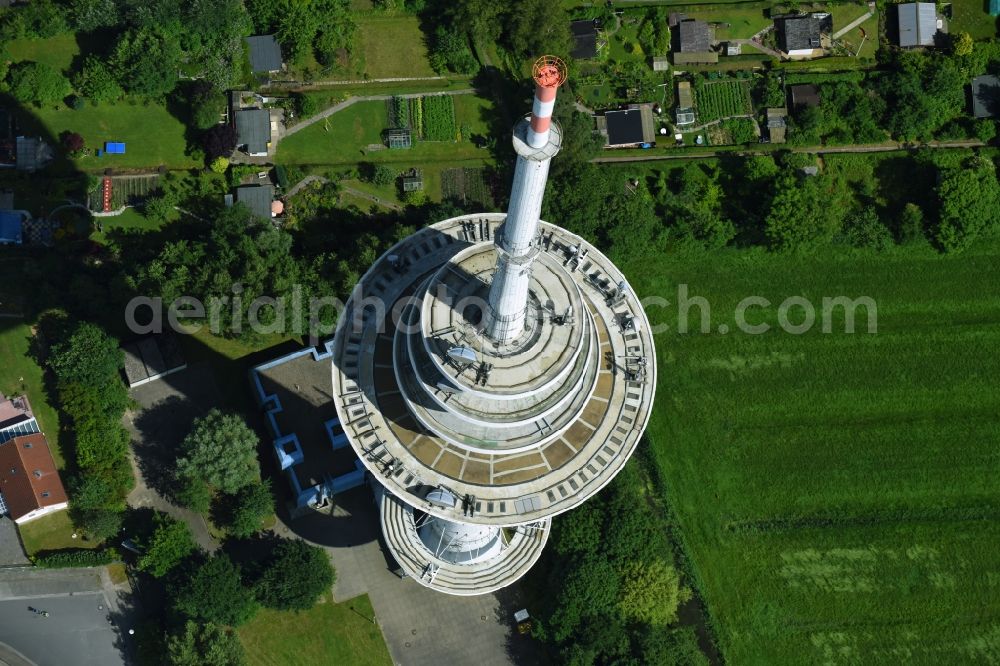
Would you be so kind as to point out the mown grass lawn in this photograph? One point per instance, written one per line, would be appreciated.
(57, 51)
(971, 16)
(152, 136)
(51, 532)
(344, 137)
(329, 633)
(19, 374)
(393, 47)
(836, 493)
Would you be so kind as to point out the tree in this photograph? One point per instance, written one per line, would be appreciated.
(204, 645)
(247, 509)
(86, 355)
(89, 15)
(169, 544)
(651, 592)
(206, 102)
(922, 93)
(145, 62)
(37, 83)
(383, 175)
(100, 523)
(212, 592)
(962, 44)
(220, 451)
(72, 142)
(219, 141)
(865, 229)
(805, 212)
(296, 575)
(42, 19)
(219, 165)
(96, 81)
(911, 224)
(451, 52)
(536, 27)
(969, 198)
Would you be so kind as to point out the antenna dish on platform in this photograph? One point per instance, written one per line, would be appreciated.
(549, 71)
(462, 355)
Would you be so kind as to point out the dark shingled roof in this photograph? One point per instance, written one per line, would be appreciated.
(630, 126)
(253, 129)
(694, 37)
(584, 39)
(801, 33)
(257, 198)
(986, 96)
(805, 95)
(265, 54)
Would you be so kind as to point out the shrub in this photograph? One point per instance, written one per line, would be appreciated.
(219, 164)
(74, 557)
(71, 141)
(281, 175)
(305, 105)
(295, 576)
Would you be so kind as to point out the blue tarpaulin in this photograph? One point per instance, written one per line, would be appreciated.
(114, 148)
(10, 228)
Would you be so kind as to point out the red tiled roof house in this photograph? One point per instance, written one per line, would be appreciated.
(29, 483)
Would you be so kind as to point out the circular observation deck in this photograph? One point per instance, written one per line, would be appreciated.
(522, 432)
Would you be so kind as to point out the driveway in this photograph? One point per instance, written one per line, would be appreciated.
(11, 552)
(84, 626)
(167, 408)
(420, 626)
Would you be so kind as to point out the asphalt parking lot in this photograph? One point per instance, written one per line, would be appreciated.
(77, 630)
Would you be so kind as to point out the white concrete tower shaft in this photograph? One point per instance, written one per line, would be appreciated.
(536, 141)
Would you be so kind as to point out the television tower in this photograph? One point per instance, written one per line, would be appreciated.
(491, 371)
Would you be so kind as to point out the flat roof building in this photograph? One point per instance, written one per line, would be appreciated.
(776, 125)
(630, 127)
(918, 24)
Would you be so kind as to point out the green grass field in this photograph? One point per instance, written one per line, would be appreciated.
(153, 137)
(19, 374)
(328, 634)
(970, 16)
(837, 494)
(393, 47)
(57, 51)
(343, 138)
(52, 532)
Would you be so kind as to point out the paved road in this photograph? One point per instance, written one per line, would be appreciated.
(77, 630)
(326, 113)
(819, 150)
(852, 25)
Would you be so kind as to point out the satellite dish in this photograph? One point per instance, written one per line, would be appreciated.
(462, 355)
(448, 388)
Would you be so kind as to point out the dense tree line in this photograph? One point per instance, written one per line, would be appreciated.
(608, 588)
(207, 595)
(86, 364)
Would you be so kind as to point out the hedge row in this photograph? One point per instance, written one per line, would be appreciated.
(74, 557)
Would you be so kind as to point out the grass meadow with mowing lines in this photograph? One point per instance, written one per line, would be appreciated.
(152, 136)
(57, 51)
(328, 633)
(837, 494)
(393, 47)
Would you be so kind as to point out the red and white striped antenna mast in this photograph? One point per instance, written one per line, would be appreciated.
(537, 140)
